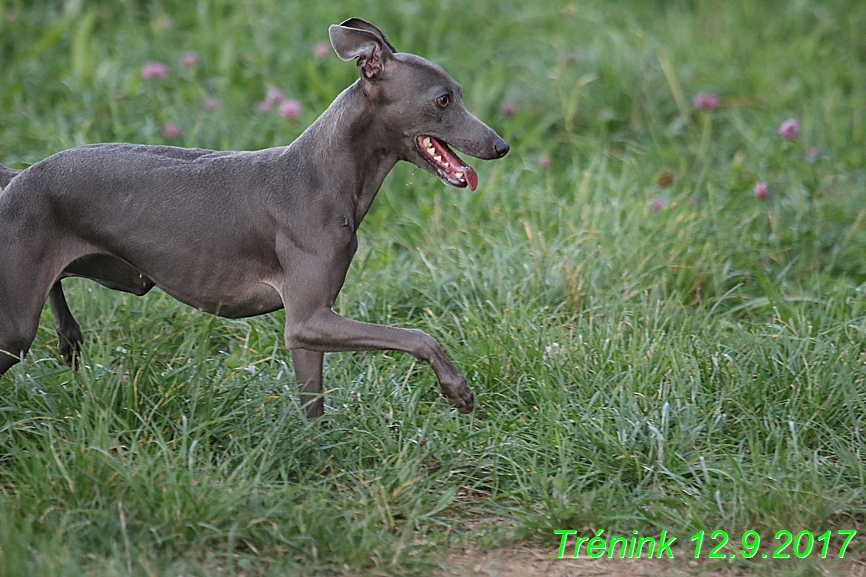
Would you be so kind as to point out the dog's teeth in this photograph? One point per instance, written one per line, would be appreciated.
(426, 142)
(458, 175)
(431, 150)
(437, 157)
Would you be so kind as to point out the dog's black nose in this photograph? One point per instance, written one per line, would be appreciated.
(501, 147)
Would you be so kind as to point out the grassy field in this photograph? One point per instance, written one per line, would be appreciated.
(657, 343)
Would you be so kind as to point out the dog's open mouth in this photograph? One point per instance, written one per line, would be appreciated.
(448, 165)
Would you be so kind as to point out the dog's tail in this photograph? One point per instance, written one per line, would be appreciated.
(6, 176)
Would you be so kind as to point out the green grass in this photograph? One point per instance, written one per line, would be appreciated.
(697, 366)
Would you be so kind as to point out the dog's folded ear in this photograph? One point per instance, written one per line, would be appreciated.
(364, 25)
(356, 38)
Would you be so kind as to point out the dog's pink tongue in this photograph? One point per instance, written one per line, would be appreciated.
(471, 178)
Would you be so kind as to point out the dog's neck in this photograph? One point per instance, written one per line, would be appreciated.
(351, 151)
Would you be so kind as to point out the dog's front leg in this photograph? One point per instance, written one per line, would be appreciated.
(308, 372)
(326, 331)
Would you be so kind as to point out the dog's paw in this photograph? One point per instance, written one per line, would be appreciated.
(460, 396)
(70, 347)
(69, 354)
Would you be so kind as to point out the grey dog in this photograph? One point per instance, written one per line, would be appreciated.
(239, 234)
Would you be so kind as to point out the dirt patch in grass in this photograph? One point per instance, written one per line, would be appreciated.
(533, 561)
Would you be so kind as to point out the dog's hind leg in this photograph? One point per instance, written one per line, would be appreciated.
(20, 307)
(19, 320)
(28, 272)
(68, 331)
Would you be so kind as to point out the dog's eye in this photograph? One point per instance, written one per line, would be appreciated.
(444, 100)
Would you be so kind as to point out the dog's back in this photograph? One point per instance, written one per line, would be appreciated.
(6, 176)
